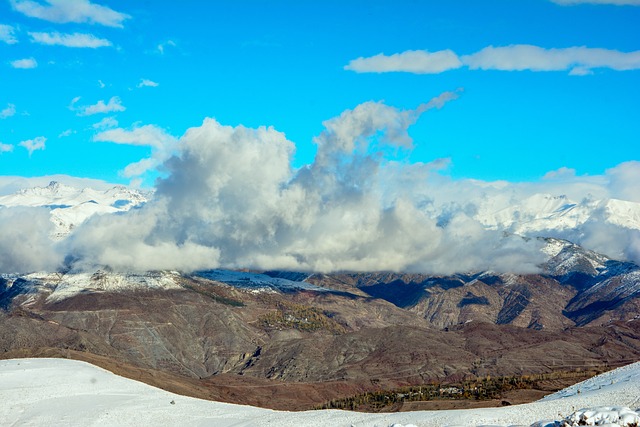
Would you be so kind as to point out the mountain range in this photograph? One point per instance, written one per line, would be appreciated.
(240, 335)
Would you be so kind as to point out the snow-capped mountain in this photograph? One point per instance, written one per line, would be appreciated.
(71, 206)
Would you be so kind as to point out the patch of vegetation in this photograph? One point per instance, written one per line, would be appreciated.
(486, 388)
(301, 317)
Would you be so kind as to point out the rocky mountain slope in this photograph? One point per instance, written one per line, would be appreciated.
(242, 333)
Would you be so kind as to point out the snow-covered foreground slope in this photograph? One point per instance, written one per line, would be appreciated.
(43, 392)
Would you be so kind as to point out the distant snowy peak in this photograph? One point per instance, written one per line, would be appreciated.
(542, 212)
(57, 194)
(71, 206)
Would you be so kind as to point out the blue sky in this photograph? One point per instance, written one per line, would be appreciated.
(87, 88)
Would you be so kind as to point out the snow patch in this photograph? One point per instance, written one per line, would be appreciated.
(257, 282)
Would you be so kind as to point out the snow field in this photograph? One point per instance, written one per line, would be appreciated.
(44, 392)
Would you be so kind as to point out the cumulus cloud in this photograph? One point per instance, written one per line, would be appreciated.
(8, 112)
(66, 133)
(147, 83)
(162, 145)
(76, 40)
(24, 63)
(229, 197)
(34, 144)
(613, 2)
(113, 105)
(5, 148)
(232, 199)
(65, 11)
(7, 34)
(578, 61)
(410, 61)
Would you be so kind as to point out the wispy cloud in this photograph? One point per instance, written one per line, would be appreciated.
(410, 61)
(613, 2)
(77, 40)
(7, 34)
(147, 83)
(161, 46)
(66, 133)
(64, 11)
(25, 63)
(577, 60)
(114, 104)
(162, 145)
(8, 112)
(34, 144)
(5, 148)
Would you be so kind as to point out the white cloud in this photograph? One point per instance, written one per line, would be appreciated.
(579, 61)
(613, 2)
(147, 83)
(410, 61)
(66, 133)
(34, 144)
(222, 204)
(5, 148)
(623, 181)
(101, 84)
(162, 146)
(7, 34)
(8, 112)
(64, 11)
(561, 174)
(114, 104)
(106, 123)
(534, 58)
(24, 241)
(24, 63)
(72, 104)
(230, 197)
(76, 40)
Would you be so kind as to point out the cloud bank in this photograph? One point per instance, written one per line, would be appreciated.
(230, 198)
(577, 60)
